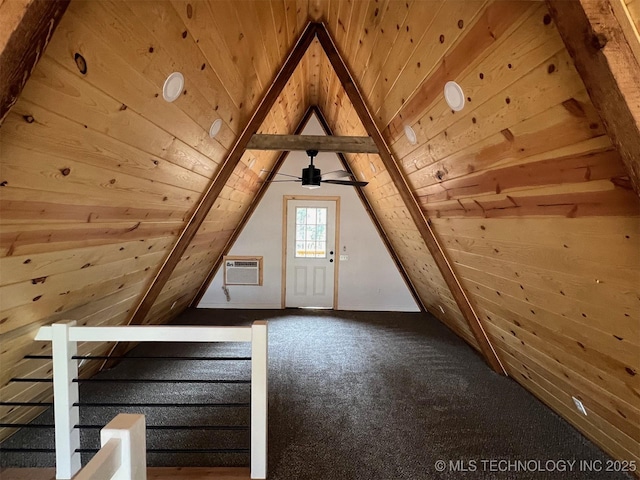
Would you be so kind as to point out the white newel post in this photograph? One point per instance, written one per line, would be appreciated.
(131, 430)
(259, 403)
(65, 392)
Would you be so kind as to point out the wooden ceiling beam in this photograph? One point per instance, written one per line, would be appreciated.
(421, 222)
(594, 34)
(27, 27)
(327, 143)
(216, 185)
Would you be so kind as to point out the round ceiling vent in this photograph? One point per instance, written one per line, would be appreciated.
(215, 128)
(173, 86)
(454, 96)
(410, 134)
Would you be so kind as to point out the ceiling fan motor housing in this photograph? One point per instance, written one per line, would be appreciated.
(311, 177)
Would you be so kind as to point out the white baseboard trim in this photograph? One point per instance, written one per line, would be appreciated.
(247, 306)
(378, 308)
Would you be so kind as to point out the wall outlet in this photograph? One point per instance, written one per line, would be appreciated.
(579, 406)
(344, 258)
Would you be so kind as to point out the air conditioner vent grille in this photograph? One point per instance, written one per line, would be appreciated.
(243, 271)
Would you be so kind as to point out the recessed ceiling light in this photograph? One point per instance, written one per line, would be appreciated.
(173, 86)
(410, 134)
(454, 96)
(215, 128)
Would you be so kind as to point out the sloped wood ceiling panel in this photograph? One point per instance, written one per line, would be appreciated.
(525, 191)
(99, 173)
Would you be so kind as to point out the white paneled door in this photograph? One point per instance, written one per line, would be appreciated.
(310, 254)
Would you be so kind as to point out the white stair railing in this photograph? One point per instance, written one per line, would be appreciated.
(65, 337)
(123, 452)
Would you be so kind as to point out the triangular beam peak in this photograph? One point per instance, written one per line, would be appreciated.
(362, 284)
(319, 31)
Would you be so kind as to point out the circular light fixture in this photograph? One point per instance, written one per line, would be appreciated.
(454, 96)
(215, 128)
(173, 86)
(410, 134)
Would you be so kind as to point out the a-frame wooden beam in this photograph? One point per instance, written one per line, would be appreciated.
(217, 184)
(26, 28)
(373, 217)
(605, 46)
(424, 226)
(247, 216)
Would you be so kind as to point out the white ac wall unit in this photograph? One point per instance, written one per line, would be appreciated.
(243, 270)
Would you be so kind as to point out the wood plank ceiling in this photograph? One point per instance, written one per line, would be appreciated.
(523, 188)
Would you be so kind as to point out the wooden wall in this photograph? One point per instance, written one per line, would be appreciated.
(99, 173)
(525, 191)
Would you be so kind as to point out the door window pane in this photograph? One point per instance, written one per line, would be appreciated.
(311, 232)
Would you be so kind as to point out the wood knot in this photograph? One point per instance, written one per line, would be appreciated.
(81, 63)
(35, 281)
(4, 183)
(184, 34)
(460, 24)
(65, 171)
(440, 175)
(441, 38)
(189, 10)
(546, 19)
(29, 118)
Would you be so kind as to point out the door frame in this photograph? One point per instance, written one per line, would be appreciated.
(285, 208)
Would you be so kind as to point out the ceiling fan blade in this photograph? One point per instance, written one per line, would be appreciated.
(278, 173)
(353, 183)
(337, 174)
(276, 181)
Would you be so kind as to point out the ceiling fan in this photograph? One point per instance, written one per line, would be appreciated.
(312, 177)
